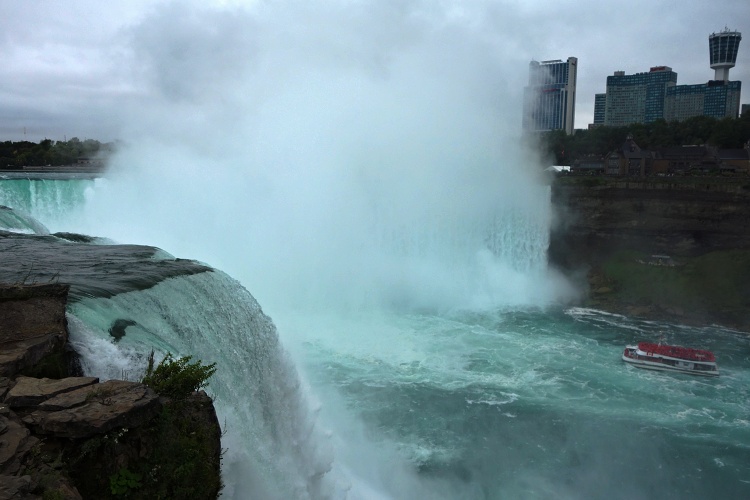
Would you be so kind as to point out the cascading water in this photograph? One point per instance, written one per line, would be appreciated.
(45, 199)
(275, 447)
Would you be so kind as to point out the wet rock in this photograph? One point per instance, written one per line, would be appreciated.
(64, 436)
(4, 387)
(95, 410)
(15, 442)
(117, 330)
(30, 391)
(15, 487)
(33, 325)
(668, 225)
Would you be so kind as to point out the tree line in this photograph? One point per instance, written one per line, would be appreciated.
(727, 133)
(49, 152)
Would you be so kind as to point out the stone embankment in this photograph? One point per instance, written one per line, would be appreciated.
(66, 436)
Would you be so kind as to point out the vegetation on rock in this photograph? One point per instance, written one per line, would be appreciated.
(177, 378)
(701, 289)
(176, 455)
(67, 438)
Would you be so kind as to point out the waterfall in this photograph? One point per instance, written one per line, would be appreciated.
(275, 447)
(50, 200)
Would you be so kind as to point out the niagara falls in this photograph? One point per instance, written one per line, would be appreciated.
(332, 202)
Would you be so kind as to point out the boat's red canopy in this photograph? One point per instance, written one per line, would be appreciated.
(677, 351)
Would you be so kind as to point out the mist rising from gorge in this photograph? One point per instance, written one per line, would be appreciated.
(345, 152)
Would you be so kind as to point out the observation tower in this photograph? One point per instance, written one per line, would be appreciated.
(723, 48)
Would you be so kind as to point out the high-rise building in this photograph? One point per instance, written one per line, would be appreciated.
(723, 49)
(645, 97)
(600, 105)
(719, 98)
(637, 98)
(550, 97)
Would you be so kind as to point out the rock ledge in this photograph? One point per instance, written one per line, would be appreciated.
(71, 437)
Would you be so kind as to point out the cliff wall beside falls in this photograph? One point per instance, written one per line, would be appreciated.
(66, 436)
(667, 248)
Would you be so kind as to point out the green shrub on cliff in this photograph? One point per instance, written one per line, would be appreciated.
(175, 455)
(177, 378)
(124, 482)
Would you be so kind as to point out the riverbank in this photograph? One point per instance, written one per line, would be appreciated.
(711, 289)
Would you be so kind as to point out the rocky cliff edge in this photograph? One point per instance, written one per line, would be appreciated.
(66, 436)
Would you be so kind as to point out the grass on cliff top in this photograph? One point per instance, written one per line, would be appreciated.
(717, 282)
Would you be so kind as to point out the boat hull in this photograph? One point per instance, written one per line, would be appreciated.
(659, 362)
(650, 365)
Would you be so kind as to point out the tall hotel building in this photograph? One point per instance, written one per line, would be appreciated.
(550, 97)
(719, 98)
(646, 97)
(637, 98)
(600, 104)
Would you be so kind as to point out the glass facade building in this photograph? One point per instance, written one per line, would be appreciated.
(646, 97)
(637, 98)
(549, 99)
(600, 104)
(722, 99)
(719, 98)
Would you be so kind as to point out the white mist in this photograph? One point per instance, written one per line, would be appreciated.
(337, 158)
(342, 153)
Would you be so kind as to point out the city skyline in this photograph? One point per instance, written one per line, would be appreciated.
(648, 96)
(84, 68)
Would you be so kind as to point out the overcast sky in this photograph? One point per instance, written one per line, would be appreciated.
(98, 70)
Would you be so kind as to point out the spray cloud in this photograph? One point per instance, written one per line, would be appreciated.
(333, 151)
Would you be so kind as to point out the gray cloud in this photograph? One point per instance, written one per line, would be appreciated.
(85, 68)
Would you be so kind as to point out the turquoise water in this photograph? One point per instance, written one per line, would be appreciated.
(50, 200)
(476, 402)
(538, 404)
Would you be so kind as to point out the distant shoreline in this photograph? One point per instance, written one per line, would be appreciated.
(56, 172)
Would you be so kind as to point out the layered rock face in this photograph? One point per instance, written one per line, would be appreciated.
(595, 219)
(73, 437)
(669, 250)
(33, 326)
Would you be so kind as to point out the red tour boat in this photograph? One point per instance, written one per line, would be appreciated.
(671, 358)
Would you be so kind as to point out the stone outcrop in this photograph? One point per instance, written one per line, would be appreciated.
(33, 326)
(93, 409)
(75, 437)
(30, 391)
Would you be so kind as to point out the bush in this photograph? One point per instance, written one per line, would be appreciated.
(124, 482)
(177, 378)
